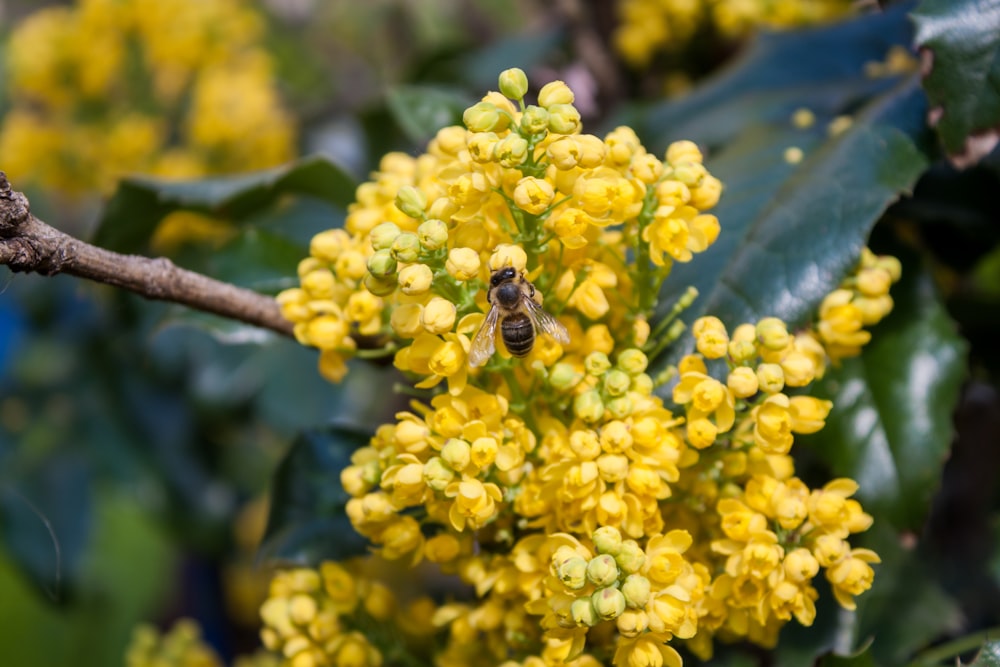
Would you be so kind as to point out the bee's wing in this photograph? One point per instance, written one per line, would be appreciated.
(484, 342)
(546, 323)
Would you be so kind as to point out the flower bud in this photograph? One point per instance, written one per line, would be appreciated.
(508, 254)
(631, 557)
(511, 151)
(742, 381)
(438, 316)
(633, 361)
(534, 120)
(607, 540)
(380, 286)
(513, 83)
(683, 151)
(432, 234)
(383, 235)
(437, 474)
(742, 351)
(457, 454)
(616, 382)
(632, 622)
(890, 265)
(770, 378)
(564, 119)
(564, 377)
(482, 117)
(620, 407)
(572, 572)
(636, 589)
(555, 92)
(406, 320)
(597, 363)
(416, 279)
(588, 406)
(533, 195)
(406, 247)
(382, 264)
(482, 146)
(411, 201)
(602, 570)
(609, 603)
(583, 613)
(463, 263)
(772, 333)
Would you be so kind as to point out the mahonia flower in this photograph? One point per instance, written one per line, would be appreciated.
(595, 514)
(648, 27)
(182, 646)
(78, 124)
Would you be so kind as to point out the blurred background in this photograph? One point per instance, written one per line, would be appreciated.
(137, 440)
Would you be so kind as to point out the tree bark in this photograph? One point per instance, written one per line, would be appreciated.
(29, 245)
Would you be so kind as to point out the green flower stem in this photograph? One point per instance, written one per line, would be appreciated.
(519, 402)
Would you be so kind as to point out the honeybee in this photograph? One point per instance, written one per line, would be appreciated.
(512, 304)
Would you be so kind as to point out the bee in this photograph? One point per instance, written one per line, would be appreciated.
(512, 304)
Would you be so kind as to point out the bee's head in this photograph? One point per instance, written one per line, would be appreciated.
(503, 275)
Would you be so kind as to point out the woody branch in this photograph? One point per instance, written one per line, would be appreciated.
(29, 245)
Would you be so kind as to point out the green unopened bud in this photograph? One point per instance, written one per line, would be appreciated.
(411, 201)
(588, 406)
(633, 361)
(432, 234)
(437, 474)
(511, 151)
(564, 377)
(513, 83)
(620, 407)
(555, 92)
(534, 120)
(380, 286)
(406, 247)
(382, 264)
(742, 351)
(597, 363)
(608, 540)
(609, 603)
(564, 119)
(642, 384)
(482, 117)
(772, 333)
(690, 174)
(383, 235)
(631, 557)
(573, 573)
(457, 454)
(602, 570)
(636, 590)
(616, 382)
(583, 613)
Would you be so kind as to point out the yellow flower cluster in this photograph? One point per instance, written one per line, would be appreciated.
(182, 646)
(104, 88)
(648, 27)
(862, 301)
(593, 522)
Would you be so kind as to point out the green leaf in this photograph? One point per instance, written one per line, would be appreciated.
(891, 427)
(963, 37)
(307, 523)
(423, 110)
(140, 203)
(791, 232)
(861, 659)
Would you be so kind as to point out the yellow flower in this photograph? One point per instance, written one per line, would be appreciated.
(463, 263)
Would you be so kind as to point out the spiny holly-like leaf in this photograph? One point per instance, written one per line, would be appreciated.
(962, 39)
(140, 203)
(791, 231)
(307, 523)
(891, 428)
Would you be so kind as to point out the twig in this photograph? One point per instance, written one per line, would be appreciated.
(29, 245)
